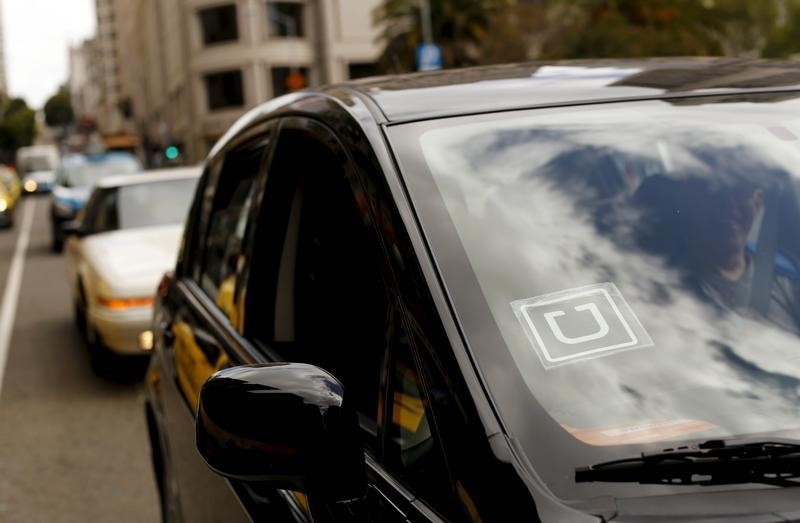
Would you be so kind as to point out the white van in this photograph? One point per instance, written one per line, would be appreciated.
(36, 166)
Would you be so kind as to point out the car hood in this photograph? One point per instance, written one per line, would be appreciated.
(131, 262)
(765, 505)
(41, 177)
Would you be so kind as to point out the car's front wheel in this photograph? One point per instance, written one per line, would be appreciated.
(57, 245)
(99, 356)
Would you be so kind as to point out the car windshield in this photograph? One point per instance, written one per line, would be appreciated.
(88, 174)
(635, 269)
(35, 163)
(144, 205)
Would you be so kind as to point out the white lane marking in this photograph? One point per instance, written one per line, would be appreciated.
(8, 308)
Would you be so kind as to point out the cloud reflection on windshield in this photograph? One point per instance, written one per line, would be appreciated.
(541, 205)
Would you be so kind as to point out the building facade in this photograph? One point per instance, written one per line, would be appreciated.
(3, 81)
(109, 116)
(189, 68)
(84, 80)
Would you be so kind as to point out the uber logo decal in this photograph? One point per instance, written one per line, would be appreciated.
(578, 324)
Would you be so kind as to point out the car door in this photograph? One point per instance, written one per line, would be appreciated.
(319, 290)
(199, 321)
(99, 215)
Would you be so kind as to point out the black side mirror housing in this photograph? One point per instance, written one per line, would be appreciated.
(285, 424)
(72, 228)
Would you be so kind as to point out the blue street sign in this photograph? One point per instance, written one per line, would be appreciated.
(429, 57)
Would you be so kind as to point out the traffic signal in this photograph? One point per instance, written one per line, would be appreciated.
(295, 81)
(172, 152)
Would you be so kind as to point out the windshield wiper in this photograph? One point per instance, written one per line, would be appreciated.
(711, 463)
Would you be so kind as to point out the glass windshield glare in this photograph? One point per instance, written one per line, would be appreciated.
(641, 263)
(152, 204)
(36, 163)
(87, 174)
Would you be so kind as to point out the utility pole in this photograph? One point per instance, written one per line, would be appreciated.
(425, 14)
(429, 55)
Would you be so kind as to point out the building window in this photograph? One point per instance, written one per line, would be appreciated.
(285, 19)
(219, 24)
(288, 79)
(362, 70)
(224, 90)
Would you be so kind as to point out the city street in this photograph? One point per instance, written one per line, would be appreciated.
(73, 445)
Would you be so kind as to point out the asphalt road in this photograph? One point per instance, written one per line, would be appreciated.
(73, 445)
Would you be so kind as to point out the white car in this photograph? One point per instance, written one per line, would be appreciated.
(125, 239)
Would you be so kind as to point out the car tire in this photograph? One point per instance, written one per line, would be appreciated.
(99, 356)
(58, 244)
(79, 311)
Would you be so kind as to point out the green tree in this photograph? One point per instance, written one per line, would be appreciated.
(633, 28)
(784, 39)
(516, 32)
(17, 127)
(58, 109)
(459, 27)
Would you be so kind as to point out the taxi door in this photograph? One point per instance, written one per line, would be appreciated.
(199, 326)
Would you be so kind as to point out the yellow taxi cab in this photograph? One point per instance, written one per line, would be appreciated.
(11, 181)
(7, 205)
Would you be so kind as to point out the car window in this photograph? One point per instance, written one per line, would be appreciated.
(101, 212)
(315, 279)
(632, 270)
(226, 223)
(413, 450)
(89, 173)
(157, 203)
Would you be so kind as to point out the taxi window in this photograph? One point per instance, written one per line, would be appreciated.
(101, 212)
(315, 291)
(227, 223)
(413, 449)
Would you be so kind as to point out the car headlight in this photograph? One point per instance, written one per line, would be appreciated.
(3, 205)
(31, 185)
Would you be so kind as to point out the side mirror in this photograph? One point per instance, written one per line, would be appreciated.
(286, 424)
(72, 228)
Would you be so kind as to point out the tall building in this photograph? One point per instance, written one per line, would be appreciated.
(110, 118)
(84, 80)
(3, 83)
(189, 68)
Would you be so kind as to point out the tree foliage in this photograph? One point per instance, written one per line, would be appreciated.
(633, 28)
(784, 40)
(459, 26)
(485, 31)
(17, 127)
(58, 109)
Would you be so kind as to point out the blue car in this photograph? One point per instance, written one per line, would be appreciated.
(75, 177)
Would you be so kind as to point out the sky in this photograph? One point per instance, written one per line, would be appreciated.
(37, 36)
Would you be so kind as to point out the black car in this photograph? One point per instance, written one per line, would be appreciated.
(559, 292)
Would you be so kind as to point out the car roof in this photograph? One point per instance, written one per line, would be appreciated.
(152, 176)
(475, 90)
(110, 157)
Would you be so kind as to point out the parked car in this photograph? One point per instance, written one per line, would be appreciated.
(562, 292)
(125, 238)
(75, 177)
(39, 182)
(11, 182)
(7, 207)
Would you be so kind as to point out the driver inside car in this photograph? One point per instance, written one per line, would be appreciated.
(714, 231)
